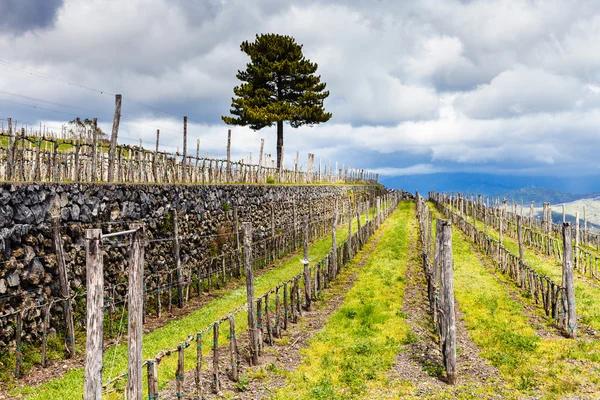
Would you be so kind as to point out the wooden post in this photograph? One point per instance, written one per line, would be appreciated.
(199, 389)
(260, 159)
(531, 215)
(520, 239)
(113, 138)
(176, 254)
(152, 379)
(215, 372)
(236, 229)
(94, 150)
(447, 322)
(247, 237)
(576, 258)
(10, 154)
(568, 281)
(179, 373)
(135, 311)
(564, 217)
(95, 315)
(19, 350)
(45, 326)
(229, 155)
(233, 349)
(306, 269)
(64, 288)
(333, 254)
(183, 172)
(585, 230)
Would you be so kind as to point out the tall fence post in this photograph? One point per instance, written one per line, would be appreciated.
(568, 282)
(64, 288)
(135, 311)
(95, 315)
(112, 150)
(447, 322)
(247, 234)
(306, 268)
(94, 150)
(183, 172)
(229, 177)
(333, 254)
(176, 250)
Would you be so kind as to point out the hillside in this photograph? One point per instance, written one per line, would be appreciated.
(540, 195)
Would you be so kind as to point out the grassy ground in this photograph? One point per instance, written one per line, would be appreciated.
(587, 291)
(70, 385)
(549, 367)
(358, 344)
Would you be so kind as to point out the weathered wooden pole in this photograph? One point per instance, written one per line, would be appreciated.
(233, 352)
(576, 240)
(247, 238)
(585, 230)
(135, 311)
(333, 254)
(95, 315)
(112, 150)
(564, 217)
(176, 255)
(229, 155)
(531, 215)
(94, 150)
(447, 318)
(306, 267)
(183, 171)
(152, 367)
(568, 281)
(155, 163)
(64, 288)
(520, 239)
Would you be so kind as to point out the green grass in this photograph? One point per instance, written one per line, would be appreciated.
(359, 343)
(70, 385)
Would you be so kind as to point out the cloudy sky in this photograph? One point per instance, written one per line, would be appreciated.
(418, 88)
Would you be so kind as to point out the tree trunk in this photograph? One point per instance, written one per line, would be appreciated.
(279, 143)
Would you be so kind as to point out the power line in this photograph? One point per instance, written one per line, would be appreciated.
(67, 82)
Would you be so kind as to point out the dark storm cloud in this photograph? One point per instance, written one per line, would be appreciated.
(19, 16)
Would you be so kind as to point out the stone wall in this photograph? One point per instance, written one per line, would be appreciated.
(28, 265)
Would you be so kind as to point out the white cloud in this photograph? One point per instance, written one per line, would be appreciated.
(450, 84)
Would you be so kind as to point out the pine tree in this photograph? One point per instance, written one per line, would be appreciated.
(278, 85)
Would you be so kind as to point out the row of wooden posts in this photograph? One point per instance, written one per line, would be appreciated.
(558, 300)
(542, 235)
(301, 291)
(180, 278)
(438, 269)
(544, 224)
(32, 157)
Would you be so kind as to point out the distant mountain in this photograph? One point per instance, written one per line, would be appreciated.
(541, 195)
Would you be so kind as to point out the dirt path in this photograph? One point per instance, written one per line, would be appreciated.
(420, 362)
(284, 356)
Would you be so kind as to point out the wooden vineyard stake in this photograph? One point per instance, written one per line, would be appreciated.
(135, 311)
(112, 150)
(333, 263)
(568, 281)
(259, 325)
(215, 372)
(268, 320)
(306, 268)
(247, 239)
(152, 367)
(233, 352)
(65, 289)
(447, 321)
(95, 315)
(19, 350)
(285, 306)
(176, 250)
(45, 323)
(179, 373)
(199, 388)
